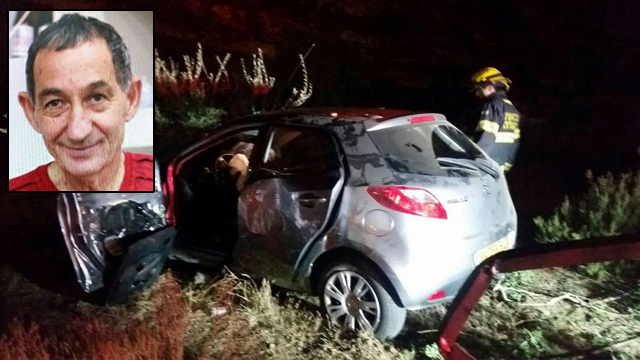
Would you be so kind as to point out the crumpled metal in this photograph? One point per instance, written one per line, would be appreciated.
(94, 225)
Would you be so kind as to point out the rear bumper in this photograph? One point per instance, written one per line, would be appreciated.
(418, 270)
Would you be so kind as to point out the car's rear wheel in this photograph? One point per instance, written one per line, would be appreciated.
(355, 297)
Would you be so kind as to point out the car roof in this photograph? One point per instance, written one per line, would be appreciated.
(326, 116)
(372, 118)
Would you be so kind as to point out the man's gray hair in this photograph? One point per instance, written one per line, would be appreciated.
(72, 30)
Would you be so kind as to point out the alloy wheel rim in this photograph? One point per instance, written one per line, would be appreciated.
(351, 302)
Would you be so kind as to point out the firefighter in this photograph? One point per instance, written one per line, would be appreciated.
(498, 131)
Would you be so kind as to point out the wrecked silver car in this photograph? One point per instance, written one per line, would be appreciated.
(376, 211)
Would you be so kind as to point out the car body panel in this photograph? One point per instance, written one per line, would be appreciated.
(275, 227)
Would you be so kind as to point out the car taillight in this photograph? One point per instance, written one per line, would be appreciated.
(409, 200)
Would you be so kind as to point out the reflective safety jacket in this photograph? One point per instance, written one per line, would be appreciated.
(498, 132)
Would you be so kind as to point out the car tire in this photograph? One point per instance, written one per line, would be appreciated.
(140, 267)
(368, 300)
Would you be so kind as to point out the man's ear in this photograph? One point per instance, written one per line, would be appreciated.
(29, 110)
(133, 98)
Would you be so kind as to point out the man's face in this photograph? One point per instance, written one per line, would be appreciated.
(483, 90)
(79, 108)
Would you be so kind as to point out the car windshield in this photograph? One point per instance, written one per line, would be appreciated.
(417, 149)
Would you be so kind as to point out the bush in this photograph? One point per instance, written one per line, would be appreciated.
(610, 207)
(188, 125)
(530, 344)
(189, 99)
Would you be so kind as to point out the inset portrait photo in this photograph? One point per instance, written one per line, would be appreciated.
(81, 101)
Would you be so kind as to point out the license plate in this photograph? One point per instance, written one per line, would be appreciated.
(487, 252)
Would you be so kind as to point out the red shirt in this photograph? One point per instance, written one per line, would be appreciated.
(138, 176)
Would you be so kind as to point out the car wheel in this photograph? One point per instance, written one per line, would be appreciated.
(355, 297)
(142, 263)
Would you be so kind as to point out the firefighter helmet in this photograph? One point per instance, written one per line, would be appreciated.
(490, 75)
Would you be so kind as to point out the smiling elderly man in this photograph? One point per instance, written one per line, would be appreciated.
(80, 93)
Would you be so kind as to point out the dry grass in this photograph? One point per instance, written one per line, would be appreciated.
(212, 318)
(205, 299)
(89, 332)
(24, 343)
(226, 318)
(257, 327)
(555, 313)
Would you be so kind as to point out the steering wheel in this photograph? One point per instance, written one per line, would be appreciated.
(223, 161)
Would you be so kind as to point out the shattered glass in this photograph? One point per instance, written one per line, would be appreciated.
(95, 225)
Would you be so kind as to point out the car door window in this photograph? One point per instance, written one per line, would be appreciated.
(300, 151)
(214, 160)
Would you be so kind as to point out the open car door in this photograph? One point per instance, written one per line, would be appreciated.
(118, 242)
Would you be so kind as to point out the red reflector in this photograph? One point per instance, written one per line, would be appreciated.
(444, 346)
(408, 200)
(169, 196)
(425, 118)
(437, 295)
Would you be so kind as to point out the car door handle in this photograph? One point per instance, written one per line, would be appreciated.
(311, 201)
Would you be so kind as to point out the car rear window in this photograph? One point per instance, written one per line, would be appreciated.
(450, 142)
(414, 149)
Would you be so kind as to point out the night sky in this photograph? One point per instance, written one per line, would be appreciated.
(575, 67)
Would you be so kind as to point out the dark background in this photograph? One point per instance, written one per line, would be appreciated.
(575, 66)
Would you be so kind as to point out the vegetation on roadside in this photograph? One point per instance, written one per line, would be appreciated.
(48, 327)
(525, 315)
(610, 207)
(205, 318)
(554, 313)
(587, 312)
(191, 101)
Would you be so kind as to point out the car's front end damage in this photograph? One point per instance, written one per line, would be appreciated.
(99, 225)
(118, 241)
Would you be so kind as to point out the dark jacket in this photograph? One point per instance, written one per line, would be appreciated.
(498, 131)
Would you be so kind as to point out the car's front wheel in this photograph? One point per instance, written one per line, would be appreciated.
(140, 266)
(355, 297)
